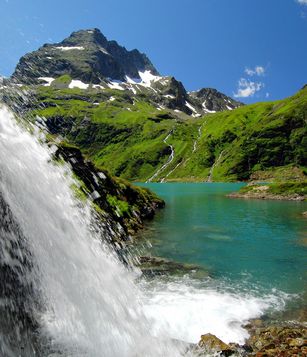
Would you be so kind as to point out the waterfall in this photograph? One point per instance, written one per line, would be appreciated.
(77, 298)
(63, 291)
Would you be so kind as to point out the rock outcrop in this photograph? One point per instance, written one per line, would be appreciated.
(86, 55)
(270, 341)
(122, 206)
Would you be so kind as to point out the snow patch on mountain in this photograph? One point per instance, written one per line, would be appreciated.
(204, 105)
(115, 85)
(48, 80)
(187, 104)
(76, 83)
(69, 48)
(147, 77)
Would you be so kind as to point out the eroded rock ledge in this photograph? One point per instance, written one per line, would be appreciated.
(123, 206)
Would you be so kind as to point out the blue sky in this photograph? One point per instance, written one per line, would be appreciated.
(255, 50)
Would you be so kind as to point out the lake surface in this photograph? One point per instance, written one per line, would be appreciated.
(248, 245)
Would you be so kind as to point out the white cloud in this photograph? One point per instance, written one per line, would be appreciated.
(247, 88)
(249, 72)
(302, 2)
(257, 71)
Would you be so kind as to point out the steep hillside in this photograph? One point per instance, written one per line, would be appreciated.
(136, 141)
(256, 137)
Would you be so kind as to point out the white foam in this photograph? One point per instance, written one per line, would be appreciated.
(75, 83)
(187, 312)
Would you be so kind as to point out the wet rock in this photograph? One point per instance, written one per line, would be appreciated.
(297, 342)
(152, 266)
(278, 341)
(211, 343)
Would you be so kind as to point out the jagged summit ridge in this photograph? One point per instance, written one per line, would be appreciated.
(90, 60)
(86, 55)
(214, 101)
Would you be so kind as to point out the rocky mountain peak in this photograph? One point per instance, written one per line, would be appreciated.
(86, 55)
(88, 58)
(214, 101)
(85, 37)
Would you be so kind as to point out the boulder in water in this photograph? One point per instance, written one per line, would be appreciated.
(211, 343)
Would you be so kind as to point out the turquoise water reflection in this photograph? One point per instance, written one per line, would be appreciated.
(261, 242)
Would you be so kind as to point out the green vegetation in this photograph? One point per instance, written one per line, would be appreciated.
(61, 82)
(285, 189)
(289, 188)
(126, 134)
(111, 197)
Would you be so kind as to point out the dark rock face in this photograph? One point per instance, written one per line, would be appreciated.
(88, 56)
(172, 94)
(123, 207)
(213, 100)
(85, 55)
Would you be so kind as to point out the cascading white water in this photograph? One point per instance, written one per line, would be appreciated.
(91, 305)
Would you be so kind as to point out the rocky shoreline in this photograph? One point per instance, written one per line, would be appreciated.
(267, 196)
(269, 341)
(280, 192)
(267, 337)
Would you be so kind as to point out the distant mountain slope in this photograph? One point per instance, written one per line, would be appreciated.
(253, 138)
(136, 141)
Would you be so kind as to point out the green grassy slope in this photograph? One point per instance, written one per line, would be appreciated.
(114, 132)
(126, 134)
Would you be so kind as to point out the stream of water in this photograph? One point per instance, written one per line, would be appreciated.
(64, 292)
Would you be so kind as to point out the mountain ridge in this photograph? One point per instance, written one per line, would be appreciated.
(90, 59)
(85, 55)
(151, 129)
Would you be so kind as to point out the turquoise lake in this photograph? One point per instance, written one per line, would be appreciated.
(259, 244)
